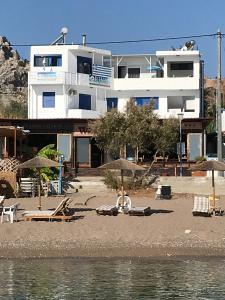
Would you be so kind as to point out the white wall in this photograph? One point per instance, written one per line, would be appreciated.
(37, 111)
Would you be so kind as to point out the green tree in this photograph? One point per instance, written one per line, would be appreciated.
(167, 136)
(139, 128)
(110, 132)
(49, 152)
(141, 125)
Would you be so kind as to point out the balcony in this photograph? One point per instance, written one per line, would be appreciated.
(184, 83)
(58, 78)
(83, 114)
(67, 78)
(173, 112)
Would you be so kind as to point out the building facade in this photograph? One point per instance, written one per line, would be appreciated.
(76, 82)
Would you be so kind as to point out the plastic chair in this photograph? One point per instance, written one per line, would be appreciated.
(10, 213)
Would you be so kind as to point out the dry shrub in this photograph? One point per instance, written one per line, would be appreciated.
(7, 184)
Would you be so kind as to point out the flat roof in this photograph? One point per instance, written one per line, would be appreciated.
(35, 49)
(130, 55)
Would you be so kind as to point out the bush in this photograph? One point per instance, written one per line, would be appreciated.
(111, 180)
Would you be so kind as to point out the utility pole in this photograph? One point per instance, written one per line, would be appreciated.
(218, 98)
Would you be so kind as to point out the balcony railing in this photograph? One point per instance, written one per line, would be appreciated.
(187, 83)
(99, 78)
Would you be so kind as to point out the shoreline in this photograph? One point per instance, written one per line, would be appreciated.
(74, 251)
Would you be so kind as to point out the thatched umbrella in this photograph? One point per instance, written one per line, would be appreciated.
(122, 164)
(210, 165)
(39, 162)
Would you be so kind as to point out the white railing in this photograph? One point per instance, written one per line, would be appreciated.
(67, 78)
(83, 114)
(188, 83)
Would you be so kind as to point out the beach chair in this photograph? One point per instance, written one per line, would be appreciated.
(202, 206)
(61, 213)
(107, 210)
(10, 213)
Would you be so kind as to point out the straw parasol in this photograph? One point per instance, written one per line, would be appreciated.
(210, 165)
(122, 164)
(38, 162)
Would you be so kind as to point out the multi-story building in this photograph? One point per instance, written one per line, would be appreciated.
(76, 82)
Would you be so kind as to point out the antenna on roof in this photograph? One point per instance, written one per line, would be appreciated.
(62, 38)
(188, 45)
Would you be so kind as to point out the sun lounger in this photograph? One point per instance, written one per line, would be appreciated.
(60, 213)
(140, 211)
(202, 206)
(107, 210)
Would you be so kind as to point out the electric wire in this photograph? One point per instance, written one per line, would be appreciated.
(130, 41)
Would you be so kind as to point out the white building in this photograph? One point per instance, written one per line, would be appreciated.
(70, 81)
(76, 83)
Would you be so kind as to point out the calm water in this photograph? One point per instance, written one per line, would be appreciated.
(112, 279)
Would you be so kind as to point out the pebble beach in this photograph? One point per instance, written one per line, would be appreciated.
(171, 230)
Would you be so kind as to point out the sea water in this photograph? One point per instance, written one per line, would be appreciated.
(98, 278)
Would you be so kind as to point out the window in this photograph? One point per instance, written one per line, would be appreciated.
(48, 100)
(84, 65)
(54, 60)
(141, 101)
(84, 101)
(107, 61)
(122, 71)
(181, 66)
(133, 72)
(112, 103)
(64, 145)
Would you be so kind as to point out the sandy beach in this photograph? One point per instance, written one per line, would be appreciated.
(160, 234)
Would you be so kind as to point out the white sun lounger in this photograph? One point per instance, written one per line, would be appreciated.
(201, 206)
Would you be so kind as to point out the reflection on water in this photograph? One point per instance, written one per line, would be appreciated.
(112, 279)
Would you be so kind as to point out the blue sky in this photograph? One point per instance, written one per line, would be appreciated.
(39, 21)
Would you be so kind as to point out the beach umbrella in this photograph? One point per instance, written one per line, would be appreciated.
(38, 162)
(122, 164)
(210, 165)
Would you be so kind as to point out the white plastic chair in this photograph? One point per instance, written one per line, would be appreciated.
(10, 213)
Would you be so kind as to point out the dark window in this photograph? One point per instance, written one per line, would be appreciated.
(48, 100)
(107, 61)
(141, 101)
(133, 72)
(122, 71)
(84, 101)
(111, 103)
(181, 66)
(53, 60)
(84, 65)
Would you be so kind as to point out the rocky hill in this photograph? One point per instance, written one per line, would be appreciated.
(13, 74)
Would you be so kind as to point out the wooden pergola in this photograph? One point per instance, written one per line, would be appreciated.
(14, 132)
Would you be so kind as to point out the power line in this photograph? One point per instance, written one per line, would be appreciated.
(130, 41)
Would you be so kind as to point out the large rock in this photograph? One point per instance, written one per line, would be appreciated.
(13, 73)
